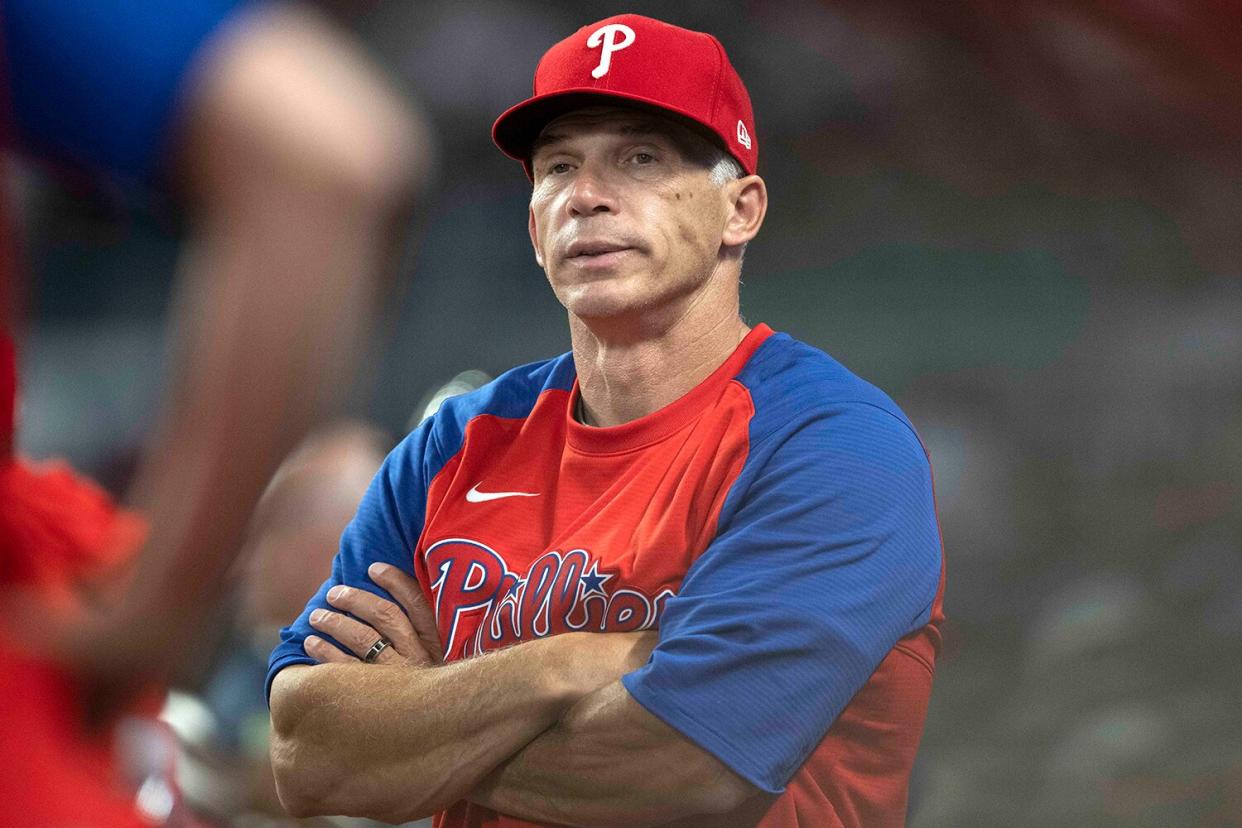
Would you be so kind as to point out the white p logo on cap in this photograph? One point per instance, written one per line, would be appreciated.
(606, 36)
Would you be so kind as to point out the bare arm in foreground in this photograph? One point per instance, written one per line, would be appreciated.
(296, 163)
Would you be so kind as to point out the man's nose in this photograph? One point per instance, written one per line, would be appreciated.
(592, 192)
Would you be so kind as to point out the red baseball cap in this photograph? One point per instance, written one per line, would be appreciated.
(630, 58)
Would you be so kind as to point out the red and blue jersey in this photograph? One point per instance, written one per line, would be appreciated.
(777, 525)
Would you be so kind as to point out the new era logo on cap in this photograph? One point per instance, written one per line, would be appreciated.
(743, 137)
(637, 60)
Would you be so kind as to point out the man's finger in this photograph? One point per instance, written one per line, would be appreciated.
(323, 652)
(406, 590)
(354, 634)
(384, 617)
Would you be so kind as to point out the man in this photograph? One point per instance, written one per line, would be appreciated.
(768, 511)
(295, 163)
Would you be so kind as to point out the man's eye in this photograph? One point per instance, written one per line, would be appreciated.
(643, 158)
(558, 168)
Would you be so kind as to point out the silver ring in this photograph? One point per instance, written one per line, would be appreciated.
(376, 648)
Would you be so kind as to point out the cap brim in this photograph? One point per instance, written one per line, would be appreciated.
(518, 126)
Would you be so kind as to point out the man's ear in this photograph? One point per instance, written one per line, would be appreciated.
(534, 235)
(748, 200)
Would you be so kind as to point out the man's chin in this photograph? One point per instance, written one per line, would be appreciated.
(594, 313)
(602, 300)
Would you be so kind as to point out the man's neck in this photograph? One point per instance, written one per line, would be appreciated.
(625, 377)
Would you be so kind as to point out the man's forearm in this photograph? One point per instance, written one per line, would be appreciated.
(610, 762)
(396, 743)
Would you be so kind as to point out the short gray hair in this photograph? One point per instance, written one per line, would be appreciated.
(724, 169)
(694, 145)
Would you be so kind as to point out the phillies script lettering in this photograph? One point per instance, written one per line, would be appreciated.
(482, 605)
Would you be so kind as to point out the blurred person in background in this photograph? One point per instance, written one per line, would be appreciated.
(296, 163)
(224, 769)
(223, 766)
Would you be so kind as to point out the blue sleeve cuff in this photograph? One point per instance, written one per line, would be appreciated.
(279, 663)
(667, 708)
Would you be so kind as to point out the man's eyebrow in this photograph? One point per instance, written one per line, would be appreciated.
(642, 128)
(546, 138)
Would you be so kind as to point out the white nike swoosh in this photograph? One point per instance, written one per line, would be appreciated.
(475, 496)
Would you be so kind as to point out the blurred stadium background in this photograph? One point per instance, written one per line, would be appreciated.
(1020, 219)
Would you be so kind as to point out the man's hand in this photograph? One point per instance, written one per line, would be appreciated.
(366, 740)
(409, 626)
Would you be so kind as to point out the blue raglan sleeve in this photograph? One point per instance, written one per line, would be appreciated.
(827, 553)
(386, 529)
(99, 83)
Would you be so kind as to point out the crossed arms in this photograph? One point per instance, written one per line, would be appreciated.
(542, 731)
(829, 558)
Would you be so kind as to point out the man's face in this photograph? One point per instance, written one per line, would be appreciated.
(624, 216)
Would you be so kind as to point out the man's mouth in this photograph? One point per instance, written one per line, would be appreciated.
(587, 251)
